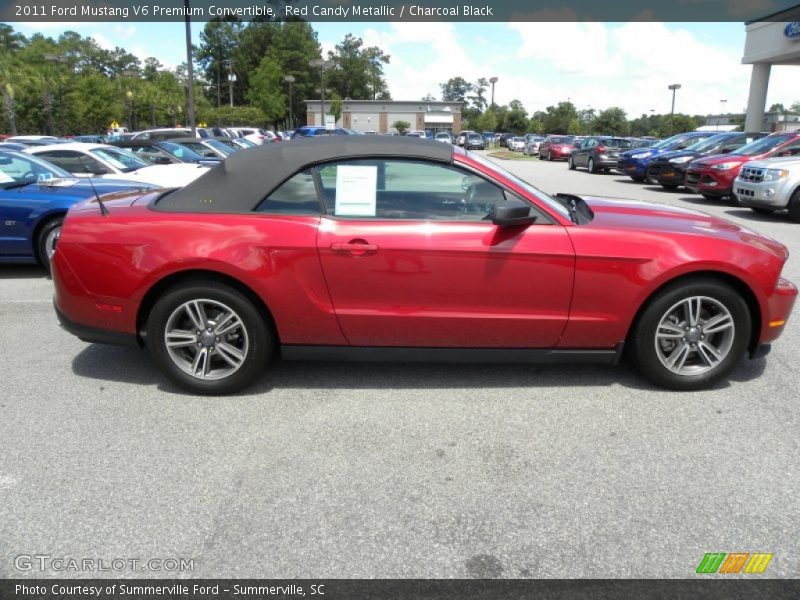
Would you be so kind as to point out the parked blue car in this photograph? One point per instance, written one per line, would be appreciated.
(34, 197)
(634, 162)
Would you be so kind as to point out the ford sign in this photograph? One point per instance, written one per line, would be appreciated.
(792, 30)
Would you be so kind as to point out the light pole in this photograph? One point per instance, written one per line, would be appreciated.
(673, 87)
(322, 64)
(722, 110)
(290, 80)
(190, 70)
(493, 80)
(59, 59)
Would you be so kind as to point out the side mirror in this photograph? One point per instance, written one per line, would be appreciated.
(161, 160)
(727, 150)
(513, 213)
(210, 154)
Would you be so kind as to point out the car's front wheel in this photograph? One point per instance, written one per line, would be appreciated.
(794, 206)
(571, 163)
(208, 338)
(692, 334)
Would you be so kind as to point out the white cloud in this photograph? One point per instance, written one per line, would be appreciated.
(103, 41)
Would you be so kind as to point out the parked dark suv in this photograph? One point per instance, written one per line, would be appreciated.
(669, 169)
(598, 153)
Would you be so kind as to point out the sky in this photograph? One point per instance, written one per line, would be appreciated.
(593, 64)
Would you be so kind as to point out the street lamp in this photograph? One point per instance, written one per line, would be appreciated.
(59, 59)
(722, 110)
(673, 87)
(190, 70)
(290, 79)
(493, 80)
(322, 64)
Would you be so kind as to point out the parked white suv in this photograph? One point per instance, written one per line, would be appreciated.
(769, 185)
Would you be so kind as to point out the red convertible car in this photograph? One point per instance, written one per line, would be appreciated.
(374, 248)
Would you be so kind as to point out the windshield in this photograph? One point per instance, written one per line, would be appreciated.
(616, 142)
(21, 169)
(120, 159)
(217, 145)
(711, 143)
(534, 191)
(764, 144)
(669, 141)
(560, 140)
(182, 153)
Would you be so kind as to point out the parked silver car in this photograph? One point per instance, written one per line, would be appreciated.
(532, 145)
(770, 184)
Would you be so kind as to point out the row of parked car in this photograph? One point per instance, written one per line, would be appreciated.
(754, 169)
(758, 170)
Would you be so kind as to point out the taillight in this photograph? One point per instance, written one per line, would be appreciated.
(601, 148)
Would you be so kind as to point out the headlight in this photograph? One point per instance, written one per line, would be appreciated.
(641, 155)
(680, 159)
(724, 166)
(775, 174)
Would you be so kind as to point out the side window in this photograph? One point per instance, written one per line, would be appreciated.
(74, 162)
(406, 190)
(295, 196)
(790, 150)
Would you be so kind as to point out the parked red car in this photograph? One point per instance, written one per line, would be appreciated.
(375, 248)
(713, 176)
(556, 147)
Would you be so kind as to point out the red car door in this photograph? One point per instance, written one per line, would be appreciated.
(414, 262)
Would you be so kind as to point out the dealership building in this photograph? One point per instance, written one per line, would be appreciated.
(772, 40)
(379, 115)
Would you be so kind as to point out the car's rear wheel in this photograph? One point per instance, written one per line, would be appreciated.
(709, 196)
(762, 211)
(208, 338)
(47, 240)
(692, 334)
(794, 206)
(636, 177)
(590, 165)
(571, 163)
(669, 186)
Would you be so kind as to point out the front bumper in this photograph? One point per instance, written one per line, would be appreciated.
(631, 167)
(710, 182)
(765, 194)
(666, 173)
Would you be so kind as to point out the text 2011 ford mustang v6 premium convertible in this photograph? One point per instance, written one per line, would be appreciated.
(374, 248)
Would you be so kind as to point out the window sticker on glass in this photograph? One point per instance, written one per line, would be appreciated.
(5, 178)
(356, 191)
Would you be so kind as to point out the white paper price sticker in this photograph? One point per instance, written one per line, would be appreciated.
(356, 191)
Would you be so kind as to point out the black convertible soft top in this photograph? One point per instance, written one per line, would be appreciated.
(248, 176)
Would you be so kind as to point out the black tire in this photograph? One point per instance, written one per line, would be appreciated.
(590, 165)
(260, 340)
(669, 186)
(637, 178)
(762, 211)
(571, 163)
(44, 239)
(794, 206)
(643, 344)
(549, 155)
(710, 197)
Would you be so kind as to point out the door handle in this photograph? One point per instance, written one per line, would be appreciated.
(354, 247)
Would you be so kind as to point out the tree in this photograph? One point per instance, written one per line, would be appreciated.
(558, 118)
(336, 105)
(358, 71)
(611, 121)
(778, 108)
(266, 90)
(218, 42)
(428, 98)
(516, 118)
(477, 99)
(401, 126)
(455, 90)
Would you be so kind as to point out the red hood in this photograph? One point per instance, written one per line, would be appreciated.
(649, 216)
(716, 159)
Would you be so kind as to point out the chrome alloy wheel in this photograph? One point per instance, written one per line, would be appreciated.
(206, 339)
(51, 241)
(694, 335)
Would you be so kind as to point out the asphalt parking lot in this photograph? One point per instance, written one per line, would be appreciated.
(342, 470)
